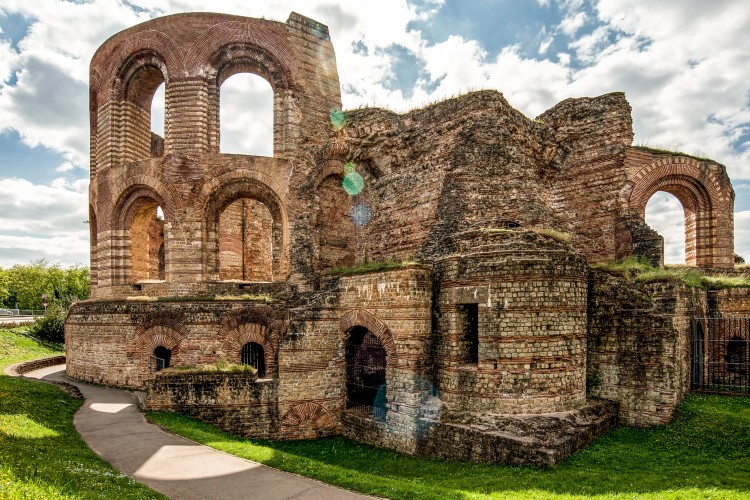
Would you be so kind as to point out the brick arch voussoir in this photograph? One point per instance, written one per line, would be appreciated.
(145, 47)
(148, 339)
(136, 188)
(308, 415)
(236, 338)
(255, 36)
(687, 172)
(360, 317)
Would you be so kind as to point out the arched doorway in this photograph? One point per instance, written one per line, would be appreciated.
(365, 373)
(163, 357)
(253, 354)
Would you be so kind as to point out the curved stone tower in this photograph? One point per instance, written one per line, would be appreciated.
(169, 216)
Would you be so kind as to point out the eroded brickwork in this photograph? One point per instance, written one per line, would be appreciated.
(489, 347)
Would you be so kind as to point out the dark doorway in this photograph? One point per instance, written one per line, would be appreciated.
(365, 373)
(699, 355)
(163, 357)
(253, 355)
(721, 354)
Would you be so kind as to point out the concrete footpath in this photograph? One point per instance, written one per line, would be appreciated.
(114, 428)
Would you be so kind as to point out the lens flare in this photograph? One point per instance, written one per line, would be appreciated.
(360, 214)
(338, 119)
(349, 167)
(353, 183)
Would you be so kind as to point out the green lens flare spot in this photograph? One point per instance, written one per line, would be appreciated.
(338, 119)
(349, 168)
(353, 183)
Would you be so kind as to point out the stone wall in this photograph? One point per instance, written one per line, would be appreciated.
(236, 402)
(639, 346)
(195, 331)
(393, 305)
(531, 294)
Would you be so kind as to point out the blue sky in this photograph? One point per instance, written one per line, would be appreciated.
(684, 66)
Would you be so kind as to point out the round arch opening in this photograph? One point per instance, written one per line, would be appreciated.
(366, 361)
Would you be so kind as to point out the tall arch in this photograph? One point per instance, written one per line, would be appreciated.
(707, 205)
(140, 248)
(248, 57)
(221, 199)
(139, 77)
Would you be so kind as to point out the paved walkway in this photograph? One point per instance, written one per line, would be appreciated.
(114, 428)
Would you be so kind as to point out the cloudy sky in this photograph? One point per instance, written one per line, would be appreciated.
(684, 66)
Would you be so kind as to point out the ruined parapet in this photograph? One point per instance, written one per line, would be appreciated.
(511, 333)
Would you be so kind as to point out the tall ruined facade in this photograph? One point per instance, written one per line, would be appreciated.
(497, 343)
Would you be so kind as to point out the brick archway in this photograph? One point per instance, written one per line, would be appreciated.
(132, 221)
(366, 319)
(228, 189)
(149, 338)
(706, 202)
(306, 421)
(240, 335)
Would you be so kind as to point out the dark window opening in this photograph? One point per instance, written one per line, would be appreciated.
(737, 355)
(698, 356)
(365, 373)
(253, 355)
(162, 357)
(469, 314)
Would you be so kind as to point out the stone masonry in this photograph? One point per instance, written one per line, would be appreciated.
(486, 337)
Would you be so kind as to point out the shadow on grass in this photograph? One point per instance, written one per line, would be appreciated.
(703, 453)
(42, 454)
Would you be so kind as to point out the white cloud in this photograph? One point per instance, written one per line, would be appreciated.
(742, 234)
(665, 215)
(573, 22)
(44, 221)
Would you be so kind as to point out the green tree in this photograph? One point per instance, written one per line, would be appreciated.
(26, 284)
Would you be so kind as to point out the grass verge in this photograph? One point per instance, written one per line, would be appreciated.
(703, 454)
(41, 454)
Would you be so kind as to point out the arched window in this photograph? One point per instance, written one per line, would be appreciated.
(365, 373)
(157, 121)
(252, 354)
(246, 115)
(666, 215)
(143, 76)
(162, 356)
(246, 241)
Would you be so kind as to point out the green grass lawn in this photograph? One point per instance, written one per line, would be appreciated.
(705, 453)
(41, 454)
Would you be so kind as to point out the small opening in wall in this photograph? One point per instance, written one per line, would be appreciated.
(137, 287)
(252, 354)
(163, 357)
(469, 314)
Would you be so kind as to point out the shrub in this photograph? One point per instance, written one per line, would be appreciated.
(51, 326)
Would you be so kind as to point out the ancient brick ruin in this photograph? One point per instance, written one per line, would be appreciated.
(492, 340)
